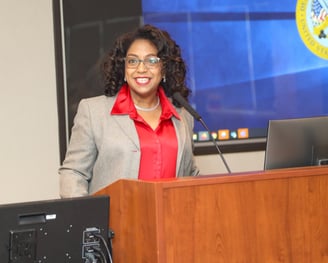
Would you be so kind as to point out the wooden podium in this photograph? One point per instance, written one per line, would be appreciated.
(261, 217)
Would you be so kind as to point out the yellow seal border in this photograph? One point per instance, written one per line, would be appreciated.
(303, 28)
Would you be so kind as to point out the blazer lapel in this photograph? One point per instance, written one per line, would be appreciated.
(128, 128)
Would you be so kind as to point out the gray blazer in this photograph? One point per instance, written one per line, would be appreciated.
(104, 148)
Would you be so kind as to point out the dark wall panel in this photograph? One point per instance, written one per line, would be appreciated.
(84, 31)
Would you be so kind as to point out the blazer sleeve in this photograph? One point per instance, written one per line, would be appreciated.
(187, 163)
(194, 168)
(76, 170)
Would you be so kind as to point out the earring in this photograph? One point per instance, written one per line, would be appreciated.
(164, 79)
(124, 79)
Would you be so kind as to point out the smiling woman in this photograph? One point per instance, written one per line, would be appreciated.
(137, 129)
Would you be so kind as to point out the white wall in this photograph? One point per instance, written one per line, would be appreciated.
(237, 162)
(29, 149)
(29, 154)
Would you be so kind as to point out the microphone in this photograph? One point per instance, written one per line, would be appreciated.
(178, 97)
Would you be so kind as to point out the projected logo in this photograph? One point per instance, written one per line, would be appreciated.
(312, 25)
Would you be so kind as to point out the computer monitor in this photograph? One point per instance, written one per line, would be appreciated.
(70, 230)
(297, 143)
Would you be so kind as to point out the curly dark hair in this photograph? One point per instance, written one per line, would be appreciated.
(168, 51)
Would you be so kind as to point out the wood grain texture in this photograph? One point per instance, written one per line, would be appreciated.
(277, 216)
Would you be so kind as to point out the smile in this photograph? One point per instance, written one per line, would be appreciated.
(142, 80)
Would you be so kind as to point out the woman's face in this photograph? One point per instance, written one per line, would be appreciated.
(143, 77)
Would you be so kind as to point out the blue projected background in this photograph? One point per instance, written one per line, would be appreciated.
(246, 61)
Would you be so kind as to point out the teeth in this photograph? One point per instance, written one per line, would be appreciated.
(142, 80)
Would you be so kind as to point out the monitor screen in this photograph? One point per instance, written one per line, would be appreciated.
(247, 64)
(297, 143)
(62, 230)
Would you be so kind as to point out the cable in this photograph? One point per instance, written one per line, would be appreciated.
(106, 246)
(100, 255)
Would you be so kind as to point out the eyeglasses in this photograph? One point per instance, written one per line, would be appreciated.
(150, 62)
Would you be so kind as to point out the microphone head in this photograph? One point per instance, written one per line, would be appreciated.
(184, 103)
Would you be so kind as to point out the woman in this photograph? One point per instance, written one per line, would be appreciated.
(136, 130)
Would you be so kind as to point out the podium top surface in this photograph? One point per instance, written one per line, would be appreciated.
(235, 177)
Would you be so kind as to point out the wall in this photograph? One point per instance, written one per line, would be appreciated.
(29, 153)
(237, 162)
(28, 114)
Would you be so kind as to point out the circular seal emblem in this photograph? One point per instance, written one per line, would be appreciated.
(312, 25)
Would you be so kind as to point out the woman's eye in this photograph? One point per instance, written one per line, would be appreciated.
(132, 61)
(152, 60)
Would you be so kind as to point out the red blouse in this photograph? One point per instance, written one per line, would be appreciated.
(159, 147)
